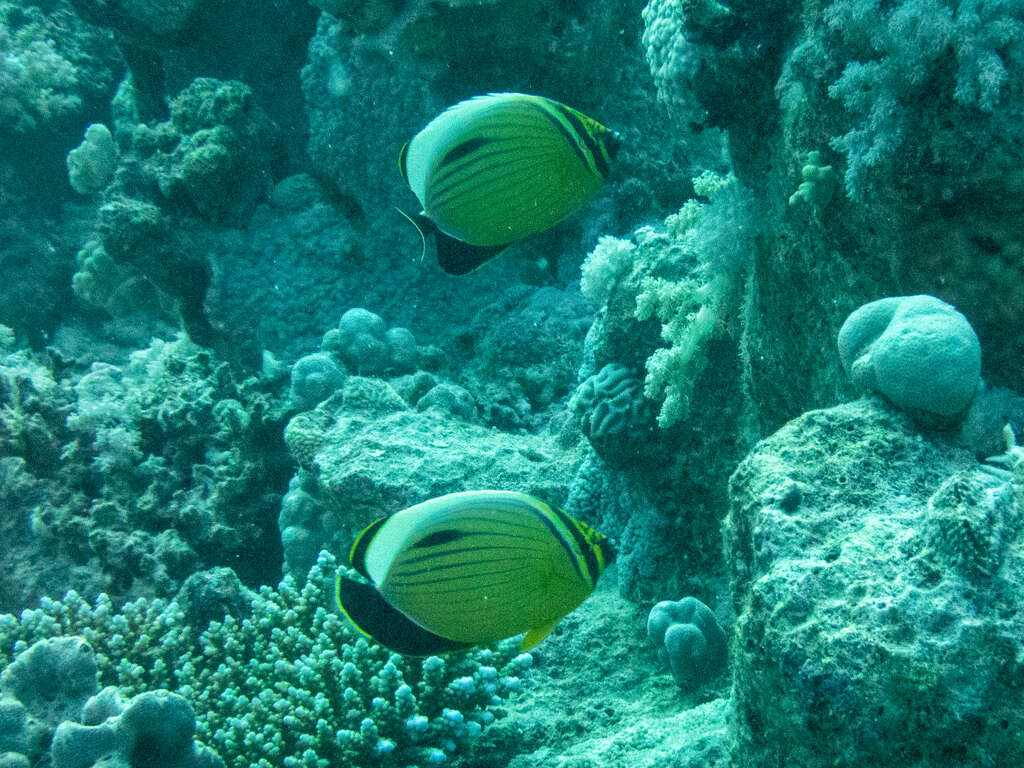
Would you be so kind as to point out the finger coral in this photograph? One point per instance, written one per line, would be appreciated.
(290, 685)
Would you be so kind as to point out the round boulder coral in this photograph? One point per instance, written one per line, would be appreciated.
(315, 378)
(689, 636)
(364, 343)
(918, 351)
(360, 341)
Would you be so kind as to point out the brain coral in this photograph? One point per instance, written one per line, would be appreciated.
(614, 414)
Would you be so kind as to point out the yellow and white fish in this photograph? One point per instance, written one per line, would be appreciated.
(494, 169)
(468, 569)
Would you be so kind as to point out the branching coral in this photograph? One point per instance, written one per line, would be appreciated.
(959, 58)
(292, 684)
(691, 285)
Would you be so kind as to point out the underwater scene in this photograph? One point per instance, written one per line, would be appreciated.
(511, 383)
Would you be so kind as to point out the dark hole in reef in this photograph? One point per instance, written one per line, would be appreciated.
(791, 499)
(150, 752)
(985, 244)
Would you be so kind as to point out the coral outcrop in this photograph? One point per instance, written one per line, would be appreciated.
(688, 636)
(918, 351)
(874, 570)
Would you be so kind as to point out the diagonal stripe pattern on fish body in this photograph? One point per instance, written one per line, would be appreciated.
(497, 168)
(468, 569)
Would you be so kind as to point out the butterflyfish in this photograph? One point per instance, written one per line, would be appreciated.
(468, 569)
(494, 169)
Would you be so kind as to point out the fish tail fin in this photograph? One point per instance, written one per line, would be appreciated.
(423, 225)
(375, 617)
(460, 258)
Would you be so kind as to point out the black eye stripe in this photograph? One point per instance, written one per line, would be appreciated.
(570, 140)
(464, 148)
(439, 537)
(588, 139)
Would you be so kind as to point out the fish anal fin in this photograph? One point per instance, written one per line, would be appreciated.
(535, 635)
(375, 617)
(459, 258)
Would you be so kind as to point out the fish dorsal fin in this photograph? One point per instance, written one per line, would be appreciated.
(372, 615)
(537, 634)
(459, 258)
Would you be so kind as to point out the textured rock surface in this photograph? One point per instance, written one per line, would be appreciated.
(877, 581)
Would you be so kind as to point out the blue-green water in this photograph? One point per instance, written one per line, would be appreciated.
(738, 285)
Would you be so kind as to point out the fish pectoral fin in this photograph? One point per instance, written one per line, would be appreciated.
(376, 618)
(459, 258)
(537, 634)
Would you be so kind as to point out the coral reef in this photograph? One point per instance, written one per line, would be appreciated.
(138, 474)
(873, 570)
(670, 304)
(783, 163)
(366, 453)
(290, 685)
(686, 277)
